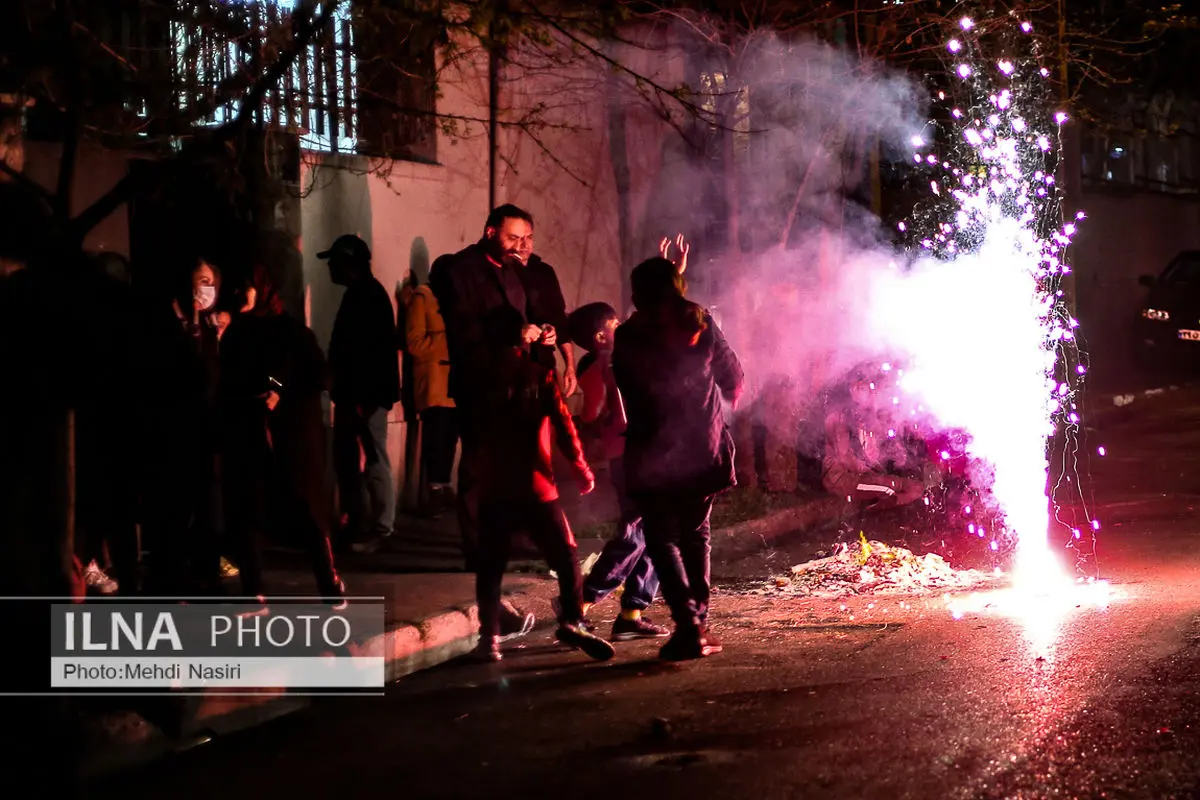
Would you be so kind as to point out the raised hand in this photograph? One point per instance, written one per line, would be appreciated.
(684, 247)
(664, 248)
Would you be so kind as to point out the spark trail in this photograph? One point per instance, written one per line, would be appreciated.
(981, 317)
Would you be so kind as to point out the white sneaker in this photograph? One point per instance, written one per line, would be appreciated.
(98, 579)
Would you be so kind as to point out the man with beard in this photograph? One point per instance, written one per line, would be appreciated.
(469, 285)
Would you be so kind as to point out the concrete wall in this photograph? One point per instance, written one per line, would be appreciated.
(411, 213)
(1127, 234)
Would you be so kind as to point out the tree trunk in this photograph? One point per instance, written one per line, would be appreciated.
(618, 151)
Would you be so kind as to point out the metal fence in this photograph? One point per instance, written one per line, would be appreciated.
(316, 99)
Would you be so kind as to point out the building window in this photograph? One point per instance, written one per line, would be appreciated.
(1148, 160)
(366, 85)
(397, 80)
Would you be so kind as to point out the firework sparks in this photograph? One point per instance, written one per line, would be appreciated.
(1001, 366)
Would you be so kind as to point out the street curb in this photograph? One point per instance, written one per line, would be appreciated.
(127, 741)
(407, 647)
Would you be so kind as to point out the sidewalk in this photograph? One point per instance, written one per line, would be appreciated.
(431, 619)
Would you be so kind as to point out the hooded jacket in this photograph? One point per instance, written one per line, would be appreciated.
(672, 379)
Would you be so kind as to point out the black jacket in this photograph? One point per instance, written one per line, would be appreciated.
(253, 351)
(676, 438)
(544, 305)
(363, 358)
(468, 286)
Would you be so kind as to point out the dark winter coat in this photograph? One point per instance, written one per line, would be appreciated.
(545, 305)
(672, 383)
(363, 356)
(469, 286)
(254, 351)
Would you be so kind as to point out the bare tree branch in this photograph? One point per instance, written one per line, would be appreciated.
(306, 27)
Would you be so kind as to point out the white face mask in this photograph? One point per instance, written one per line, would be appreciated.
(206, 296)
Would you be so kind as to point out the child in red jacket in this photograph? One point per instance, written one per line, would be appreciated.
(519, 406)
(624, 560)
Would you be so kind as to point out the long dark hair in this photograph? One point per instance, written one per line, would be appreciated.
(659, 293)
(267, 302)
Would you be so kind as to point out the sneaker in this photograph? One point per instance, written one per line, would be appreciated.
(488, 650)
(514, 623)
(370, 546)
(686, 644)
(581, 638)
(336, 599)
(626, 630)
(98, 580)
(228, 570)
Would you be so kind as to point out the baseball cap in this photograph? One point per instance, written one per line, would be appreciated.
(349, 246)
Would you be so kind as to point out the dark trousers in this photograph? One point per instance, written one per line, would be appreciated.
(182, 525)
(439, 438)
(106, 513)
(262, 495)
(624, 558)
(468, 502)
(547, 527)
(677, 537)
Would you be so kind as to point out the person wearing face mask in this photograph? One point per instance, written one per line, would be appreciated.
(182, 496)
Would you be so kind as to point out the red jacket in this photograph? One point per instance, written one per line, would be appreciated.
(602, 419)
(520, 407)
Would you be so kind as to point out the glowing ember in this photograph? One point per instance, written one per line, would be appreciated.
(1040, 614)
(871, 567)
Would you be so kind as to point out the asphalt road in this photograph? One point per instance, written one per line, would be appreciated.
(874, 697)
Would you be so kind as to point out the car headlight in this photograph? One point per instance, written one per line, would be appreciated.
(1156, 314)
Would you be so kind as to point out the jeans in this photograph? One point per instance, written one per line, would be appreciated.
(624, 558)
(547, 526)
(677, 538)
(367, 490)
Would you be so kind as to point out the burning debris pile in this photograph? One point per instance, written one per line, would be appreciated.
(871, 567)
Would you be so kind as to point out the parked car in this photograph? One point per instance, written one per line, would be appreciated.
(1167, 330)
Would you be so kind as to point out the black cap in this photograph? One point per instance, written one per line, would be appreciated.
(349, 246)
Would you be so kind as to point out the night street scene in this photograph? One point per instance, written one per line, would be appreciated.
(709, 399)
